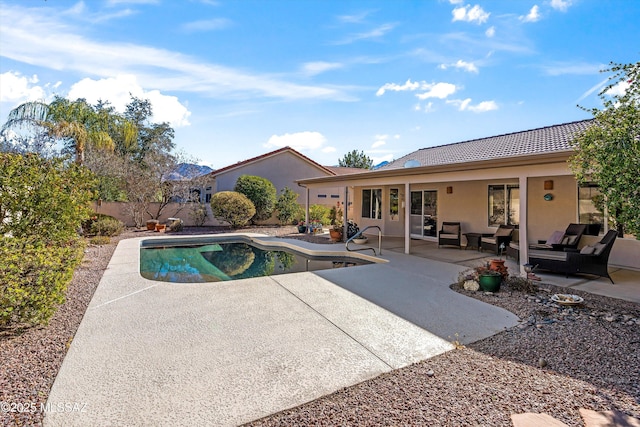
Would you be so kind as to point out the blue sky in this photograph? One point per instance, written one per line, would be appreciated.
(239, 78)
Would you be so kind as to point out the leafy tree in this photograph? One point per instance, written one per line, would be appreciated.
(608, 153)
(287, 207)
(356, 159)
(233, 207)
(261, 192)
(76, 123)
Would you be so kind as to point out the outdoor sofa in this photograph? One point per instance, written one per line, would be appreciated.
(591, 259)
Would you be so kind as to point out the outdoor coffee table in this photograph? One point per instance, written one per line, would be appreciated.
(473, 240)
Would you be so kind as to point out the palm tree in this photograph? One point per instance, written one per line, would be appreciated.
(75, 122)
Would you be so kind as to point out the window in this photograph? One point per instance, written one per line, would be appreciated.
(322, 196)
(590, 205)
(393, 204)
(335, 196)
(372, 203)
(504, 204)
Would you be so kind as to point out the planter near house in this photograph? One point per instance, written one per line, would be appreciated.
(498, 265)
(360, 240)
(302, 229)
(335, 234)
(161, 228)
(490, 281)
(151, 224)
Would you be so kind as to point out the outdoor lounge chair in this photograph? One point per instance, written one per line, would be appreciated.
(450, 234)
(559, 241)
(493, 241)
(592, 259)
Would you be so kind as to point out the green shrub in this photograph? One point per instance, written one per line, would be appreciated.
(319, 213)
(261, 192)
(43, 200)
(100, 240)
(287, 207)
(34, 279)
(233, 207)
(105, 225)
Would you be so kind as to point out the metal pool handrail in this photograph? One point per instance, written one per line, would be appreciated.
(359, 233)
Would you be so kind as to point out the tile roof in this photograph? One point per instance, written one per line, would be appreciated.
(531, 142)
(341, 170)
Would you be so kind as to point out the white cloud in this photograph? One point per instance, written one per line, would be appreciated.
(532, 16)
(433, 90)
(561, 5)
(456, 1)
(491, 31)
(313, 68)
(16, 88)
(301, 141)
(42, 38)
(117, 91)
(619, 89)
(465, 104)
(408, 85)
(438, 90)
(329, 150)
(470, 14)
(466, 66)
(207, 25)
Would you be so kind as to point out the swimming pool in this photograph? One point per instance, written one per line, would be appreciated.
(216, 259)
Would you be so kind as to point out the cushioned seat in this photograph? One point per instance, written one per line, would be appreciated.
(450, 234)
(559, 241)
(493, 241)
(591, 259)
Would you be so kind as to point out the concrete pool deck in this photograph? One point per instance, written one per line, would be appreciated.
(226, 353)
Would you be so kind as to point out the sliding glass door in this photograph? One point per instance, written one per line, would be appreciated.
(424, 213)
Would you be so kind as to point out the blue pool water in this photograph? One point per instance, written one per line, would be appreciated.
(214, 261)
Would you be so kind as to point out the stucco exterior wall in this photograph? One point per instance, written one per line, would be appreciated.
(282, 170)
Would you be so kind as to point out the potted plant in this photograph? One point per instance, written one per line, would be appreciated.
(490, 280)
(360, 240)
(151, 224)
(498, 264)
(336, 229)
(302, 228)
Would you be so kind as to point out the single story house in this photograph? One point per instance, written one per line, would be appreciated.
(282, 167)
(521, 179)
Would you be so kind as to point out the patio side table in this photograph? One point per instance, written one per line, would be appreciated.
(473, 240)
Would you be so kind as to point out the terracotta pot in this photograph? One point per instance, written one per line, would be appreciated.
(151, 224)
(161, 228)
(336, 235)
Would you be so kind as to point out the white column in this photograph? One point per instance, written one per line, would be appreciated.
(407, 217)
(524, 245)
(306, 207)
(345, 213)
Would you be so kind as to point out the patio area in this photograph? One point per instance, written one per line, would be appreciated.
(626, 287)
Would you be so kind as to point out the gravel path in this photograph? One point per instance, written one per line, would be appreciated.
(589, 355)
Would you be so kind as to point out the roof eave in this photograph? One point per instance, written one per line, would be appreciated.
(527, 160)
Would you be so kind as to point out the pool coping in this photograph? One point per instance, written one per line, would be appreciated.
(226, 353)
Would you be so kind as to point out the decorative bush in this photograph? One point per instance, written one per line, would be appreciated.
(319, 213)
(34, 279)
(105, 225)
(261, 192)
(233, 207)
(287, 207)
(43, 200)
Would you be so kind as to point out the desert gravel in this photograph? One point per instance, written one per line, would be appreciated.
(557, 360)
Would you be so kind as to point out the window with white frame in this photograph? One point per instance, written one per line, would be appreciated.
(372, 203)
